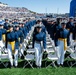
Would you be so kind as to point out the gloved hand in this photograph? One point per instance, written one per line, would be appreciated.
(29, 38)
(68, 47)
(20, 45)
(26, 40)
(24, 45)
(44, 50)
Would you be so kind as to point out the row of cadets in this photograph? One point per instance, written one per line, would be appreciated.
(44, 21)
(58, 25)
(48, 26)
(39, 23)
(51, 28)
(32, 23)
(15, 21)
(29, 23)
(26, 25)
(61, 38)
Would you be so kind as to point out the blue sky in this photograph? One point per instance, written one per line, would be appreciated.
(41, 6)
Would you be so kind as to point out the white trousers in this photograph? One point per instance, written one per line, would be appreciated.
(60, 52)
(16, 57)
(1, 46)
(73, 44)
(38, 54)
(9, 48)
(22, 49)
(71, 38)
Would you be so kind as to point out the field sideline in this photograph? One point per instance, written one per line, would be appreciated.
(66, 70)
(42, 71)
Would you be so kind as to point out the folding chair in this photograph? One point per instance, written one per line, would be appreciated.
(50, 50)
(3, 56)
(70, 50)
(52, 57)
(22, 49)
(30, 51)
(49, 46)
(30, 43)
(26, 40)
(47, 40)
(47, 37)
(73, 56)
(48, 43)
(29, 58)
(30, 46)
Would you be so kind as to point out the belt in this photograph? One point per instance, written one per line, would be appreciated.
(68, 28)
(19, 39)
(4, 37)
(71, 32)
(12, 45)
(65, 42)
(8, 30)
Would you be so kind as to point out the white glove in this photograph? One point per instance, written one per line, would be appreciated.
(68, 47)
(24, 45)
(24, 40)
(44, 50)
(28, 38)
(20, 45)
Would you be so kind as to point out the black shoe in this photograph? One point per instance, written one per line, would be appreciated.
(58, 65)
(39, 67)
(15, 66)
(13, 56)
(11, 67)
(22, 57)
(61, 65)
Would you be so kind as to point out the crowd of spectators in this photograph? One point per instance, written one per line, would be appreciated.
(14, 12)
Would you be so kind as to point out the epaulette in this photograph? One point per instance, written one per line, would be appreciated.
(8, 31)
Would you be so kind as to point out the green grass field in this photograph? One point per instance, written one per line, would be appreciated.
(42, 71)
(66, 70)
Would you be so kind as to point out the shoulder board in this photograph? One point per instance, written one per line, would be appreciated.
(8, 31)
